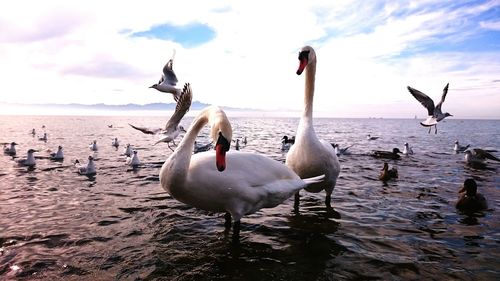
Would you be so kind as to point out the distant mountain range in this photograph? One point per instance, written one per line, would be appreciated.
(196, 105)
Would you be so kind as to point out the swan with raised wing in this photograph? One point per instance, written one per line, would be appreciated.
(237, 183)
(310, 156)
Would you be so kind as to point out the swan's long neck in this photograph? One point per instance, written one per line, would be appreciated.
(306, 121)
(180, 159)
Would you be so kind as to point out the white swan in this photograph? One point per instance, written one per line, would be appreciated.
(309, 156)
(249, 182)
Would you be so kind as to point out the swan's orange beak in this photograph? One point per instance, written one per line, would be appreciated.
(302, 66)
(220, 157)
(221, 147)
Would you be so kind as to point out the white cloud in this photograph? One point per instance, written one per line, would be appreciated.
(493, 25)
(367, 53)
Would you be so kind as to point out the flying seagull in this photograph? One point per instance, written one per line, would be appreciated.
(172, 128)
(168, 80)
(435, 113)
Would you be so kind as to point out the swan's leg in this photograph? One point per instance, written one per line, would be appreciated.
(430, 129)
(296, 202)
(236, 230)
(227, 222)
(328, 199)
(436, 129)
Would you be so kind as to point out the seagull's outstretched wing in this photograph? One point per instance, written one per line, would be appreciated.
(423, 99)
(146, 130)
(445, 91)
(183, 105)
(169, 74)
(485, 154)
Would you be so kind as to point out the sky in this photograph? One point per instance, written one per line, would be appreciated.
(244, 53)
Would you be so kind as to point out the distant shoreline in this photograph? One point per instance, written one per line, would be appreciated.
(167, 109)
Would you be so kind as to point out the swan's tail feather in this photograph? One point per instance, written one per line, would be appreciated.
(315, 179)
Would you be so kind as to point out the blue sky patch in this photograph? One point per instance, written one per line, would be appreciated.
(188, 36)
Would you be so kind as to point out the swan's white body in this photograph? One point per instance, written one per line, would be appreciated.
(249, 182)
(134, 160)
(407, 149)
(310, 156)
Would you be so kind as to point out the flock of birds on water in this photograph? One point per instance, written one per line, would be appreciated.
(214, 178)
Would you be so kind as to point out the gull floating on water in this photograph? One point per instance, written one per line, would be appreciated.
(202, 147)
(43, 138)
(134, 160)
(237, 144)
(340, 151)
(407, 149)
(115, 142)
(172, 128)
(168, 80)
(33, 132)
(127, 150)
(93, 146)
(29, 161)
(11, 150)
(88, 169)
(460, 148)
(59, 155)
(434, 112)
(478, 156)
(369, 137)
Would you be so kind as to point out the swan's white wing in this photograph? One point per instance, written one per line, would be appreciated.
(423, 99)
(183, 105)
